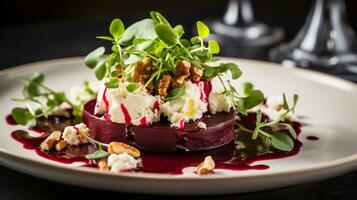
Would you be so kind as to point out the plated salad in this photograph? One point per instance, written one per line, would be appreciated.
(155, 109)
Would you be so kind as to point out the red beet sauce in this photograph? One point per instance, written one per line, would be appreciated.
(226, 157)
(312, 138)
(10, 120)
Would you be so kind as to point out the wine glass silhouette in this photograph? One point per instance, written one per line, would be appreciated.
(326, 42)
(241, 34)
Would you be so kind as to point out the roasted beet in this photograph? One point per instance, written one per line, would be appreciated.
(160, 137)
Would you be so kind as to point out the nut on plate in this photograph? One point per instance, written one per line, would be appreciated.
(120, 147)
(164, 85)
(103, 165)
(61, 145)
(182, 71)
(206, 167)
(51, 141)
(143, 70)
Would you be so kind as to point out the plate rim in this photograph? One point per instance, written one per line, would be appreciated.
(167, 177)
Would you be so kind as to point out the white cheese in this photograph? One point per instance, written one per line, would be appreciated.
(185, 108)
(274, 108)
(73, 134)
(122, 162)
(122, 106)
(202, 125)
(219, 102)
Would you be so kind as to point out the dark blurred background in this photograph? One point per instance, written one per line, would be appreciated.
(39, 30)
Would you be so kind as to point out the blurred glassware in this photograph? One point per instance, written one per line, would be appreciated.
(326, 42)
(241, 35)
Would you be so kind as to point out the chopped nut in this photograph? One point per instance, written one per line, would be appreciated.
(103, 166)
(206, 167)
(164, 85)
(61, 145)
(182, 71)
(120, 147)
(196, 74)
(143, 70)
(50, 141)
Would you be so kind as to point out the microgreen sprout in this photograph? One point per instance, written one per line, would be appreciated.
(48, 100)
(279, 140)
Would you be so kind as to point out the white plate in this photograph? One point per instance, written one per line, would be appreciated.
(328, 103)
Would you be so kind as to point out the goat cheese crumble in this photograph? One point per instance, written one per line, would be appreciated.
(219, 102)
(122, 106)
(185, 108)
(73, 134)
(274, 108)
(122, 162)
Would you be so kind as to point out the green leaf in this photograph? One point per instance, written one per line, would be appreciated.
(159, 18)
(112, 83)
(92, 59)
(213, 46)
(240, 106)
(134, 58)
(292, 131)
(32, 88)
(255, 134)
(37, 78)
(285, 103)
(144, 29)
(235, 71)
(131, 87)
(282, 141)
(247, 88)
(185, 43)
(195, 40)
(100, 153)
(258, 118)
(100, 71)
(103, 37)
(175, 93)
(22, 116)
(296, 98)
(209, 72)
(202, 29)
(166, 34)
(116, 28)
(179, 30)
(255, 98)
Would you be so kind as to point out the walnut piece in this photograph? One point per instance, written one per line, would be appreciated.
(206, 167)
(182, 71)
(143, 70)
(103, 165)
(164, 85)
(120, 147)
(196, 74)
(51, 141)
(61, 145)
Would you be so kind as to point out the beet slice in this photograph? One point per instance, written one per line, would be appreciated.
(103, 130)
(160, 137)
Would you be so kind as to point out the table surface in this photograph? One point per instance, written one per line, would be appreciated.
(20, 45)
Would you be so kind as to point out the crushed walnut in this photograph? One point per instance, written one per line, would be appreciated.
(206, 167)
(103, 165)
(120, 147)
(61, 145)
(51, 141)
(164, 85)
(196, 74)
(143, 70)
(182, 71)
